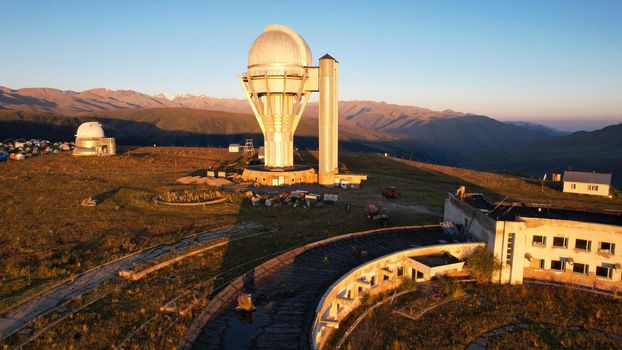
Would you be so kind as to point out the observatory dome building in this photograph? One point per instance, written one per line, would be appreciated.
(277, 50)
(91, 141)
(278, 83)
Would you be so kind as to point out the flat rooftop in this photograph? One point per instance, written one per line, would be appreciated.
(514, 211)
(434, 260)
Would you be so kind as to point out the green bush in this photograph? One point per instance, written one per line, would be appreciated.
(482, 264)
(407, 283)
(454, 289)
(366, 299)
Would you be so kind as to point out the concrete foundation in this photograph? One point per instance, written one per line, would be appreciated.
(280, 176)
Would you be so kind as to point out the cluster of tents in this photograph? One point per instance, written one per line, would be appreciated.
(20, 149)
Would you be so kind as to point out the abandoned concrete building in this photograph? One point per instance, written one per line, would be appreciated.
(545, 243)
(383, 274)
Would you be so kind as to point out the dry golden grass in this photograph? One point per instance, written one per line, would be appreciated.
(201, 193)
(46, 235)
(549, 312)
(520, 189)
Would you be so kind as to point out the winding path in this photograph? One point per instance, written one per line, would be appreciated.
(52, 299)
(286, 291)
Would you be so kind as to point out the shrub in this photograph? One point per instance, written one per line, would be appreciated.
(407, 284)
(192, 195)
(482, 264)
(398, 345)
(366, 299)
(454, 289)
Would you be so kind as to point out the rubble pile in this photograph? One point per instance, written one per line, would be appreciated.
(296, 198)
(21, 149)
(374, 215)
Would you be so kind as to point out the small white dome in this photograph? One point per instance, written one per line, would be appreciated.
(90, 130)
(279, 45)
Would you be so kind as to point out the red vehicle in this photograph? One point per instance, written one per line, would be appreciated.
(390, 192)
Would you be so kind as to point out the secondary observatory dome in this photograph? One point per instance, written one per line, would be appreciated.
(279, 46)
(90, 130)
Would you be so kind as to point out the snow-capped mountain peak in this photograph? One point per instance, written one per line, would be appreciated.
(165, 96)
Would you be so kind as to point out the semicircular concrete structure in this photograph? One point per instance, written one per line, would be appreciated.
(379, 275)
(287, 289)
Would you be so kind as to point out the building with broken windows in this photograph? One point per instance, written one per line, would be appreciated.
(545, 243)
(384, 274)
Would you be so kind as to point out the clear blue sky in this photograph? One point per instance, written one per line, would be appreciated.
(529, 60)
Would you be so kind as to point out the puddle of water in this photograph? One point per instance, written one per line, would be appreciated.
(243, 328)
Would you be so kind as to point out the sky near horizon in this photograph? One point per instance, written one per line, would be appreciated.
(558, 61)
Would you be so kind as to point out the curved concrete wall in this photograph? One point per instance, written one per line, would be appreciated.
(235, 287)
(375, 277)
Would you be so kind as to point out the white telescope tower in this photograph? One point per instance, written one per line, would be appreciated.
(275, 84)
(278, 84)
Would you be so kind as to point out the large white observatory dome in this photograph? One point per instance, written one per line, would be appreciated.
(90, 130)
(279, 46)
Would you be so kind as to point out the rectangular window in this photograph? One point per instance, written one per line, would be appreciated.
(607, 247)
(537, 263)
(580, 268)
(560, 242)
(400, 271)
(372, 281)
(573, 186)
(583, 244)
(592, 187)
(508, 251)
(539, 241)
(604, 272)
(558, 265)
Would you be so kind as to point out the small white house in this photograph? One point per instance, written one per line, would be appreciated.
(234, 148)
(587, 183)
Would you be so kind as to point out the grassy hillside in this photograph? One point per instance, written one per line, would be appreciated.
(191, 127)
(519, 189)
(415, 131)
(452, 138)
(47, 236)
(19, 124)
(599, 150)
(467, 140)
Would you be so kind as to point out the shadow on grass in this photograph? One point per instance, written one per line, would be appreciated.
(101, 197)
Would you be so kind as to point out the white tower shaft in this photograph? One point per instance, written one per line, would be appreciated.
(278, 101)
(328, 121)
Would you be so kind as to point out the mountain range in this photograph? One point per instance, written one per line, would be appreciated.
(447, 136)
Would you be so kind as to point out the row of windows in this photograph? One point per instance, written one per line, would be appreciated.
(604, 271)
(400, 273)
(589, 187)
(582, 244)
